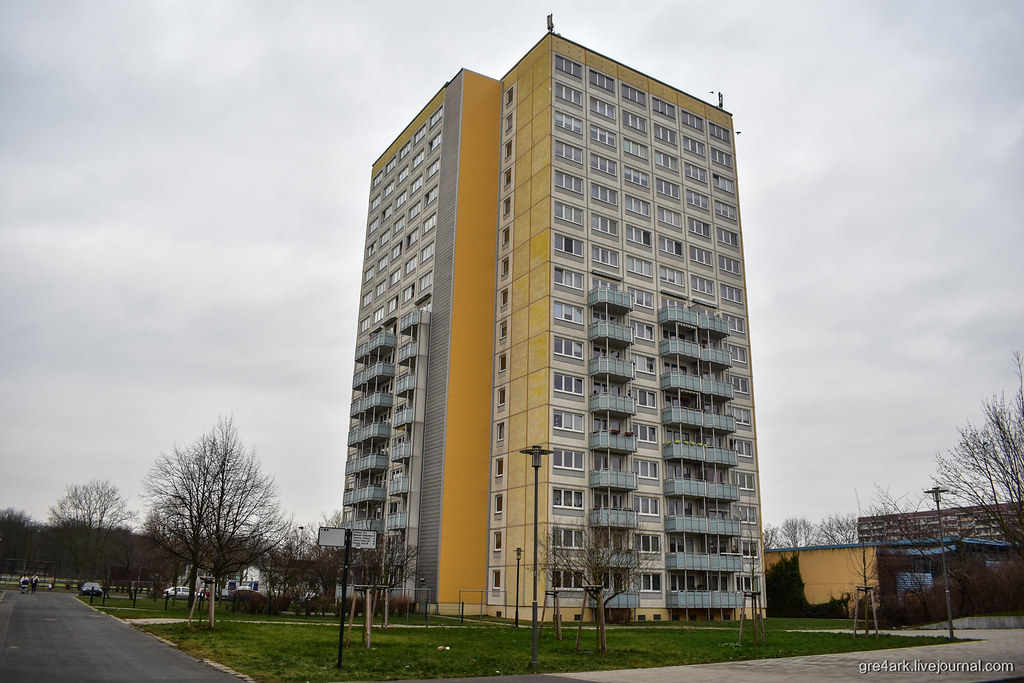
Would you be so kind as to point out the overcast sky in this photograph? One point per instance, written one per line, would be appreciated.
(183, 192)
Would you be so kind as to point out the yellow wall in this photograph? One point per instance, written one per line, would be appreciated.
(468, 422)
(830, 572)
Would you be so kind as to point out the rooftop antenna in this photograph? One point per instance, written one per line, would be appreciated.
(720, 105)
(551, 23)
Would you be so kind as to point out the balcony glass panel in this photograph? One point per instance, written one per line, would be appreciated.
(613, 403)
(613, 479)
(613, 518)
(614, 368)
(619, 443)
(613, 299)
(613, 334)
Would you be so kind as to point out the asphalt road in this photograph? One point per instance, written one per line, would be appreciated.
(53, 637)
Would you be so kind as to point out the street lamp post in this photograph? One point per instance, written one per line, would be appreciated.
(936, 494)
(536, 452)
(519, 556)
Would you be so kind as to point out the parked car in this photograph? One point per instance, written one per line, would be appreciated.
(91, 588)
(176, 592)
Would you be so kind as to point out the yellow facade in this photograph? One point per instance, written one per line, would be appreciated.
(831, 572)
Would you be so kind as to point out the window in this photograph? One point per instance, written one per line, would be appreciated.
(503, 302)
(600, 163)
(670, 276)
(748, 548)
(729, 265)
(746, 515)
(663, 108)
(633, 121)
(508, 149)
(497, 546)
(415, 210)
(741, 385)
(738, 354)
(604, 194)
(434, 143)
(568, 245)
(638, 235)
(602, 81)
(702, 285)
(720, 157)
(717, 131)
(646, 506)
(418, 159)
(670, 246)
(432, 194)
(693, 146)
(643, 363)
(743, 448)
(569, 182)
(645, 398)
(567, 498)
(374, 224)
(567, 347)
(602, 224)
(698, 227)
(745, 481)
(733, 294)
(668, 189)
(568, 152)
(502, 397)
(737, 325)
(639, 266)
(634, 95)
(426, 281)
(568, 278)
(499, 434)
(695, 172)
(603, 108)
(568, 384)
(568, 313)
(670, 217)
(569, 213)
(637, 205)
(364, 324)
(636, 176)
(702, 256)
(604, 256)
(642, 298)
(430, 224)
(692, 120)
(723, 183)
(725, 210)
(665, 134)
(602, 135)
(564, 92)
(571, 422)
(728, 237)
(634, 148)
(570, 123)
(696, 199)
(505, 267)
(391, 165)
(646, 469)
(499, 504)
(410, 265)
(383, 286)
(742, 416)
(666, 161)
(650, 582)
(567, 580)
(377, 178)
(408, 293)
(646, 433)
(642, 331)
(503, 330)
(566, 538)
(568, 66)
(368, 275)
(567, 460)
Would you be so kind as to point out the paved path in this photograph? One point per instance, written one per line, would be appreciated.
(53, 637)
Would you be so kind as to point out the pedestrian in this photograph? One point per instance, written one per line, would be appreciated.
(24, 583)
(35, 582)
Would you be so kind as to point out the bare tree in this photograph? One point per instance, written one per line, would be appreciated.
(986, 468)
(837, 529)
(770, 536)
(609, 560)
(389, 565)
(84, 521)
(797, 532)
(211, 505)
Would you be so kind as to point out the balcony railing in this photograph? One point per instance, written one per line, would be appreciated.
(407, 352)
(683, 416)
(381, 340)
(613, 479)
(398, 486)
(372, 402)
(680, 347)
(405, 385)
(613, 404)
(713, 387)
(412, 319)
(403, 416)
(364, 494)
(614, 300)
(367, 524)
(719, 358)
(612, 368)
(703, 562)
(699, 453)
(396, 521)
(370, 432)
(691, 524)
(704, 600)
(374, 372)
(611, 517)
(698, 488)
(618, 443)
(401, 451)
(721, 423)
(611, 334)
(676, 380)
(367, 463)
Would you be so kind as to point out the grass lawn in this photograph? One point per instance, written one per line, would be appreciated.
(295, 649)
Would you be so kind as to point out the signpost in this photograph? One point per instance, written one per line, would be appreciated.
(333, 537)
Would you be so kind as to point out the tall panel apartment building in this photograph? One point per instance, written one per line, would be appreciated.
(556, 258)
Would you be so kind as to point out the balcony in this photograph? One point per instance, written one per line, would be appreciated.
(403, 416)
(396, 521)
(704, 600)
(375, 402)
(608, 517)
(684, 381)
(703, 562)
(611, 334)
(713, 387)
(680, 348)
(630, 600)
(377, 371)
(719, 358)
(367, 463)
(617, 443)
(613, 404)
(381, 340)
(612, 369)
(721, 423)
(676, 314)
(364, 525)
(687, 417)
(373, 494)
(721, 491)
(698, 453)
(401, 451)
(612, 300)
(407, 353)
(699, 488)
(411, 319)
(405, 385)
(613, 479)
(690, 524)
(398, 486)
(717, 326)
